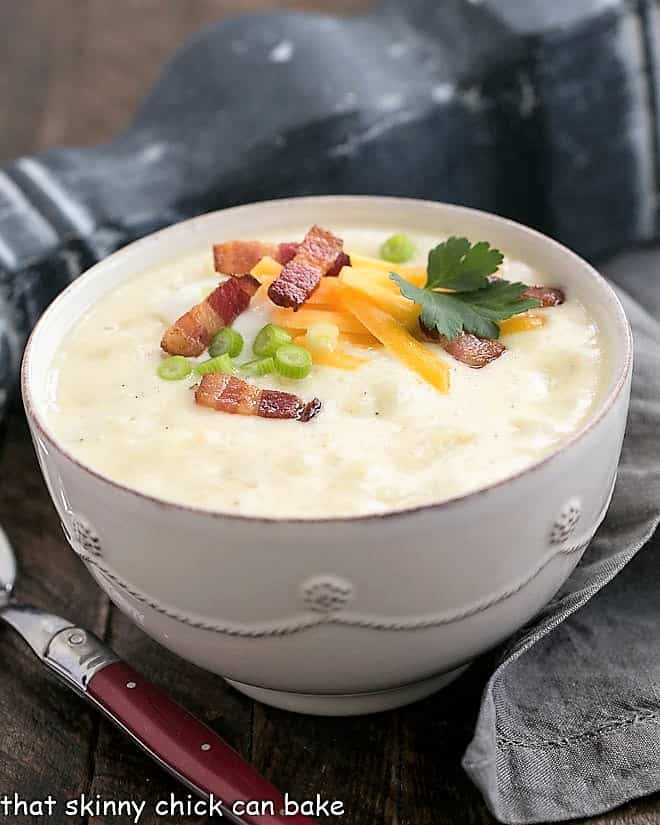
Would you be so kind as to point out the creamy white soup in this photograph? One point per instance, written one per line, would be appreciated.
(385, 439)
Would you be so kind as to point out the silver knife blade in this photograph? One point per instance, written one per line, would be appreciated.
(35, 626)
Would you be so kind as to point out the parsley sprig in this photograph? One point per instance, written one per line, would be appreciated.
(475, 303)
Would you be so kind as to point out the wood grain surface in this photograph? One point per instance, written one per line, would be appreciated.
(72, 72)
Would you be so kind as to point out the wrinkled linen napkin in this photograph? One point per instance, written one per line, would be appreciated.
(570, 720)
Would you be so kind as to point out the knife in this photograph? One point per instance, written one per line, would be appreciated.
(190, 751)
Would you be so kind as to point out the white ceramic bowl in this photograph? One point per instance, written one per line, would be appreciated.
(344, 615)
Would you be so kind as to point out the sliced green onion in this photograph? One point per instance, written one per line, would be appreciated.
(174, 369)
(269, 339)
(228, 341)
(322, 337)
(398, 249)
(293, 361)
(221, 363)
(260, 366)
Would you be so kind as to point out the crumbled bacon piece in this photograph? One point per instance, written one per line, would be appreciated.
(473, 351)
(239, 257)
(469, 349)
(193, 332)
(549, 296)
(286, 252)
(316, 257)
(233, 297)
(342, 261)
(229, 394)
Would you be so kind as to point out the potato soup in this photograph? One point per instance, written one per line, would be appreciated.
(385, 436)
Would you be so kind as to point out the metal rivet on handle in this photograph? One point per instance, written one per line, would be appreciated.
(131, 685)
(206, 747)
(76, 638)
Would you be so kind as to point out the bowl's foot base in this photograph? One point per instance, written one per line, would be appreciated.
(348, 704)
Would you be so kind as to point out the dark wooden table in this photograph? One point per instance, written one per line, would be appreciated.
(72, 71)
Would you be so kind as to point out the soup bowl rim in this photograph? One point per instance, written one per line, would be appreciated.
(618, 384)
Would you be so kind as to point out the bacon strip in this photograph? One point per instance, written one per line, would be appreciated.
(342, 260)
(473, 351)
(240, 257)
(316, 257)
(549, 296)
(286, 252)
(469, 349)
(193, 332)
(229, 394)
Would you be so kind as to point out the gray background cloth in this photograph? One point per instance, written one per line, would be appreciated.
(570, 720)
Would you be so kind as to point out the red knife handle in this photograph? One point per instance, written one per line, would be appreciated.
(184, 746)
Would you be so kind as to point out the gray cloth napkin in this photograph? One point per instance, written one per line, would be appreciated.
(570, 720)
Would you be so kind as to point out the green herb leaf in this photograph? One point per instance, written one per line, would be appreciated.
(476, 311)
(456, 264)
